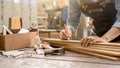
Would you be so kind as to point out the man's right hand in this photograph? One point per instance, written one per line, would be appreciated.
(65, 35)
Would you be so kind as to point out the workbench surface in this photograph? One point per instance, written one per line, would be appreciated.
(69, 60)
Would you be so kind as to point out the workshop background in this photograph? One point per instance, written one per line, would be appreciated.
(49, 14)
(48, 18)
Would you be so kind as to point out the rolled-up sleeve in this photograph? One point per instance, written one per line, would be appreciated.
(73, 13)
(117, 6)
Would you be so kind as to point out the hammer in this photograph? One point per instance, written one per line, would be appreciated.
(54, 51)
(45, 48)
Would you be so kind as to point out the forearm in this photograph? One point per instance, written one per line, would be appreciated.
(111, 34)
(115, 30)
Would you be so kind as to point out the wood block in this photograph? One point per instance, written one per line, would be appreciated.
(15, 23)
(4, 31)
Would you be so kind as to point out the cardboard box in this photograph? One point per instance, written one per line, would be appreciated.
(17, 41)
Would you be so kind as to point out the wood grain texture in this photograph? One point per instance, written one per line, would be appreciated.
(15, 23)
(74, 49)
(104, 50)
(78, 42)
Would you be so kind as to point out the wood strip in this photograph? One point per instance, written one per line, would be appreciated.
(101, 46)
(74, 49)
(113, 48)
(105, 52)
(78, 42)
(60, 42)
(108, 48)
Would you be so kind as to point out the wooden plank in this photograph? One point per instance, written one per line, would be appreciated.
(113, 47)
(96, 50)
(74, 49)
(76, 44)
(4, 31)
(107, 48)
(101, 47)
(98, 47)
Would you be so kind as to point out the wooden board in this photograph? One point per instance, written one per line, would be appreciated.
(74, 49)
(103, 50)
(77, 42)
(15, 23)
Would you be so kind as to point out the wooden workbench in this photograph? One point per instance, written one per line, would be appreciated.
(69, 60)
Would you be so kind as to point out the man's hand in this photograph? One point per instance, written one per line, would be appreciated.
(92, 40)
(65, 35)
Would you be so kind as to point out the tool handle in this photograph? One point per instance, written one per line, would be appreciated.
(8, 30)
(46, 46)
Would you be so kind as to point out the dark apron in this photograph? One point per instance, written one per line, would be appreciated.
(102, 20)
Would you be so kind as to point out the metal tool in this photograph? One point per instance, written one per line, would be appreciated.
(50, 50)
(45, 49)
(53, 51)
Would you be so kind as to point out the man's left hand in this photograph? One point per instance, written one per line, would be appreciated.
(92, 40)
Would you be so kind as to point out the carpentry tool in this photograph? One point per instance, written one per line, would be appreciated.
(38, 42)
(23, 30)
(45, 48)
(37, 46)
(49, 50)
(53, 51)
(4, 31)
(8, 30)
(33, 26)
(103, 50)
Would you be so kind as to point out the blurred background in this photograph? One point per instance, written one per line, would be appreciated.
(49, 15)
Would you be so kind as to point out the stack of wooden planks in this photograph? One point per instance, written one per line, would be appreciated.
(104, 50)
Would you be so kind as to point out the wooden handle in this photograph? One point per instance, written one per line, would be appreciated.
(4, 31)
